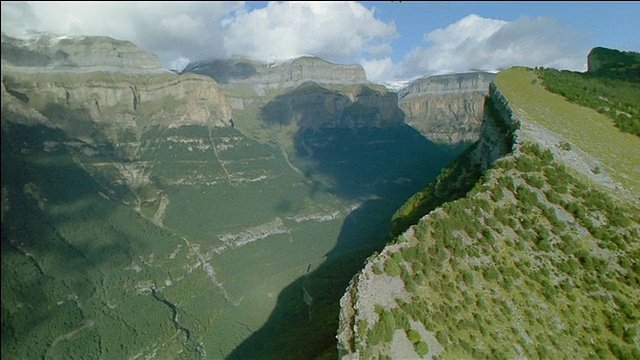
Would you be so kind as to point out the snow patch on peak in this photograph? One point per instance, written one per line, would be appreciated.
(396, 85)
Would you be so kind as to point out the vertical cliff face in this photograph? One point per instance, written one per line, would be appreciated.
(80, 53)
(275, 75)
(110, 86)
(446, 108)
(346, 106)
(119, 99)
(371, 289)
(304, 93)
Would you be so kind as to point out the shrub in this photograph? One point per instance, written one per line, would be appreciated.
(414, 336)
(491, 274)
(535, 181)
(507, 182)
(377, 270)
(422, 348)
(525, 164)
(391, 267)
(553, 196)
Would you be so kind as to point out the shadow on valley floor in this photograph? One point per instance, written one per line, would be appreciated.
(381, 167)
(61, 242)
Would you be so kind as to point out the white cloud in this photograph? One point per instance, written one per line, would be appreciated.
(171, 30)
(342, 32)
(180, 31)
(477, 43)
(335, 31)
(378, 69)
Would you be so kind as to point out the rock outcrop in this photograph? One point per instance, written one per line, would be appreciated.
(312, 106)
(306, 92)
(110, 85)
(80, 53)
(614, 63)
(446, 108)
(278, 75)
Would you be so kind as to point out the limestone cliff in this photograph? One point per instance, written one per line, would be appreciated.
(313, 106)
(80, 53)
(110, 85)
(306, 93)
(446, 108)
(366, 291)
(283, 74)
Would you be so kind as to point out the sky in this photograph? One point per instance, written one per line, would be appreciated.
(392, 40)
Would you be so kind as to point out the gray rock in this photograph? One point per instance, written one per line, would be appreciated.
(446, 108)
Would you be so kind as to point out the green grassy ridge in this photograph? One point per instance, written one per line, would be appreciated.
(522, 258)
(537, 261)
(589, 130)
(615, 97)
(611, 86)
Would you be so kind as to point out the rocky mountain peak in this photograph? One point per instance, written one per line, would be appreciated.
(283, 74)
(78, 53)
(111, 86)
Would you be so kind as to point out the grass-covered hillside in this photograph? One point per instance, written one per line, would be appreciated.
(611, 86)
(540, 259)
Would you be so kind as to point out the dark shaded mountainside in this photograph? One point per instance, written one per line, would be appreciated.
(147, 213)
(527, 246)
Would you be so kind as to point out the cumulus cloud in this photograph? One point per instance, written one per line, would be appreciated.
(342, 32)
(335, 31)
(379, 69)
(183, 31)
(174, 31)
(477, 43)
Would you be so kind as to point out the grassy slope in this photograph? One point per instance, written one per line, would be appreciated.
(589, 130)
(537, 261)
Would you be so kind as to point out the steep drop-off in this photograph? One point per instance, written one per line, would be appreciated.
(539, 259)
(446, 108)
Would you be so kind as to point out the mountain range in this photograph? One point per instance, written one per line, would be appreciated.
(221, 212)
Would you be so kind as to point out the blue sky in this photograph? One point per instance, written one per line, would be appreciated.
(608, 24)
(392, 40)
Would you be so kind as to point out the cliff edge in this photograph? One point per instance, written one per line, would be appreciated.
(534, 260)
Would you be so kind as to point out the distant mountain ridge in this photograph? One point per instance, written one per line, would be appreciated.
(78, 53)
(305, 68)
